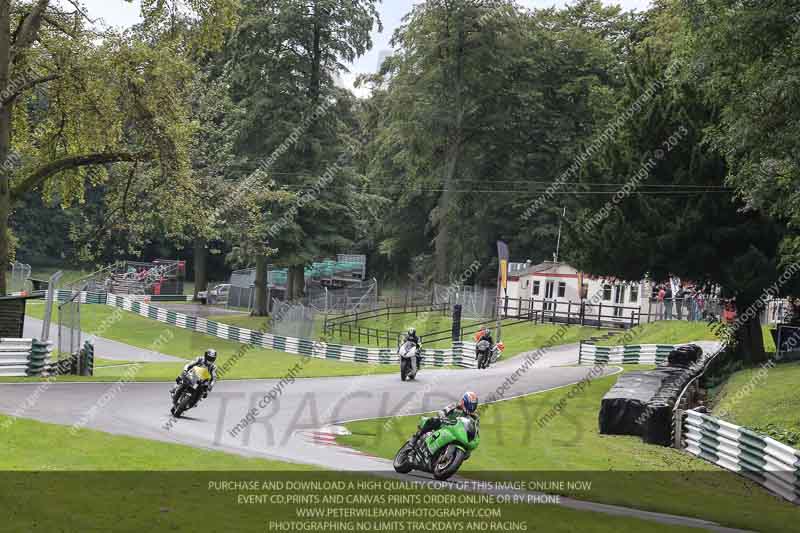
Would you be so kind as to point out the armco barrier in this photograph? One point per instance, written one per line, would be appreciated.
(762, 459)
(24, 357)
(636, 354)
(39, 357)
(14, 356)
(87, 359)
(460, 354)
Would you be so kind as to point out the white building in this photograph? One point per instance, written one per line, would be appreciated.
(560, 290)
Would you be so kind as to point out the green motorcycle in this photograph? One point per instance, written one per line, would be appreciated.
(440, 452)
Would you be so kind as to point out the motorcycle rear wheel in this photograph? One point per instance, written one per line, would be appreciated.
(402, 462)
(448, 462)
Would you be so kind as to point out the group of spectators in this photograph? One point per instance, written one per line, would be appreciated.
(688, 301)
(787, 312)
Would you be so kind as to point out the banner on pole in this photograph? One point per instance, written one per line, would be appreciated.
(502, 256)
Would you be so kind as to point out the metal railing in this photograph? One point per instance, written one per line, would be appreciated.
(569, 312)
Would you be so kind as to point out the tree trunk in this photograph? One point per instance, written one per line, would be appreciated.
(442, 239)
(750, 342)
(200, 266)
(453, 156)
(5, 144)
(298, 282)
(316, 59)
(261, 307)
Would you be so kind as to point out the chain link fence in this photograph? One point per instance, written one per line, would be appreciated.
(69, 325)
(293, 319)
(242, 292)
(476, 302)
(20, 273)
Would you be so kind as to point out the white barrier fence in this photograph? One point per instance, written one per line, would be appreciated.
(461, 354)
(764, 460)
(636, 354)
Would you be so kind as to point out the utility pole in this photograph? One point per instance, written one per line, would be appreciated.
(558, 242)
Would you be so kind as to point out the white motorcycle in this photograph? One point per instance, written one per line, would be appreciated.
(409, 355)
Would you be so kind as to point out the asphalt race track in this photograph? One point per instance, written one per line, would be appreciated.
(299, 424)
(283, 425)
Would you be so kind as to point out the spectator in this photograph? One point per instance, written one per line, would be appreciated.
(729, 314)
(794, 312)
(690, 301)
(660, 305)
(668, 303)
(700, 305)
(679, 296)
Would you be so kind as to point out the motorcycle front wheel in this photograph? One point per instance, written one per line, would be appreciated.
(448, 462)
(183, 404)
(402, 461)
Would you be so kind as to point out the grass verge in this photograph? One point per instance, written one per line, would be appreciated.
(665, 332)
(36, 446)
(765, 402)
(55, 480)
(623, 470)
(677, 332)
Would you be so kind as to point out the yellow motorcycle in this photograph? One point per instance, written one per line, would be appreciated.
(187, 395)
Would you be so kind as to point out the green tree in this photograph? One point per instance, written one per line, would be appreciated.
(679, 219)
(752, 53)
(71, 100)
(482, 107)
(297, 127)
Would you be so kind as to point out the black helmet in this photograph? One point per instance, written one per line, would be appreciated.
(210, 356)
(412, 332)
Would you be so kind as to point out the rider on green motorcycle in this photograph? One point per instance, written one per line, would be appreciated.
(467, 406)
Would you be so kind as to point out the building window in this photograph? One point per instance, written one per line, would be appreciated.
(536, 288)
(634, 293)
(527, 283)
(606, 293)
(562, 289)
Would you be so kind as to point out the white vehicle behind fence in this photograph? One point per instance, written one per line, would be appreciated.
(217, 295)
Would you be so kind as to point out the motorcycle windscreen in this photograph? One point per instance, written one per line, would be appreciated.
(202, 373)
(406, 349)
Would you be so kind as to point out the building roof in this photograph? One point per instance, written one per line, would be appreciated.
(546, 266)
